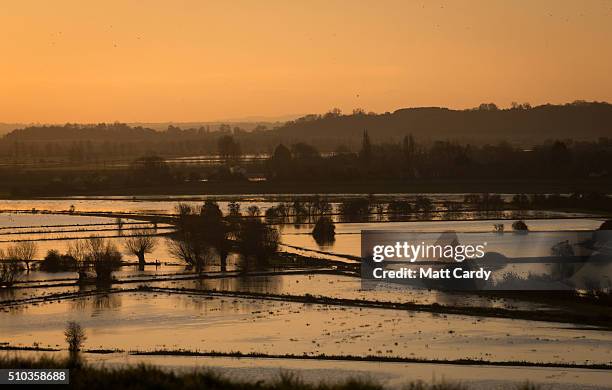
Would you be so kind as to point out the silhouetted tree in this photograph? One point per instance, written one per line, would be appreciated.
(409, 151)
(520, 226)
(9, 270)
(253, 211)
(54, 261)
(103, 256)
(257, 240)
(198, 234)
(355, 208)
(304, 152)
(119, 222)
(324, 231)
(210, 210)
(228, 148)
(365, 154)
(150, 170)
(488, 107)
(280, 163)
(24, 251)
(142, 242)
(191, 249)
(216, 230)
(75, 337)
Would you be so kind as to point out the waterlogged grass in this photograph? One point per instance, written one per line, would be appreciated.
(368, 358)
(143, 376)
(323, 357)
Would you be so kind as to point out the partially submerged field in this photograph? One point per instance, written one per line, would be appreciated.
(311, 317)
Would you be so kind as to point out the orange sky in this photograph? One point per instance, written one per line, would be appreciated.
(196, 60)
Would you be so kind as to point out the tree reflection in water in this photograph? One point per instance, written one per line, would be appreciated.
(103, 300)
(255, 284)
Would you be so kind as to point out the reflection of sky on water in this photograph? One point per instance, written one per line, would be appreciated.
(11, 220)
(149, 321)
(167, 204)
(348, 237)
(158, 320)
(342, 287)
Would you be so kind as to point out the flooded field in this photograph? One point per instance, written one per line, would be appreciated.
(167, 204)
(54, 231)
(348, 235)
(339, 286)
(167, 307)
(196, 323)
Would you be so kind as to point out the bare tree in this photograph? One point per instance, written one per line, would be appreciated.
(95, 253)
(103, 256)
(253, 211)
(141, 243)
(9, 270)
(24, 251)
(191, 249)
(77, 249)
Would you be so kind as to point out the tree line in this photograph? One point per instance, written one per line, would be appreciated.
(521, 124)
(203, 236)
(412, 160)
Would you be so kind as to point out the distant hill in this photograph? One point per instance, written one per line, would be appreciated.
(75, 132)
(578, 120)
(247, 124)
(522, 125)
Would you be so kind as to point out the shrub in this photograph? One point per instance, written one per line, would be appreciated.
(520, 226)
(105, 258)
(324, 230)
(75, 336)
(257, 240)
(9, 271)
(24, 251)
(141, 243)
(356, 207)
(56, 262)
(98, 254)
(607, 225)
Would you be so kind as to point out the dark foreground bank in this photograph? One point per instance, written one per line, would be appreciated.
(149, 377)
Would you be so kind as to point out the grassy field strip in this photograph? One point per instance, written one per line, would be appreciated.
(367, 358)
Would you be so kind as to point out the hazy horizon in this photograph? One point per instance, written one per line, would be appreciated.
(121, 61)
(280, 119)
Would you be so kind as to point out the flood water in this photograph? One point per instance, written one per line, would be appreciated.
(147, 321)
(250, 325)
